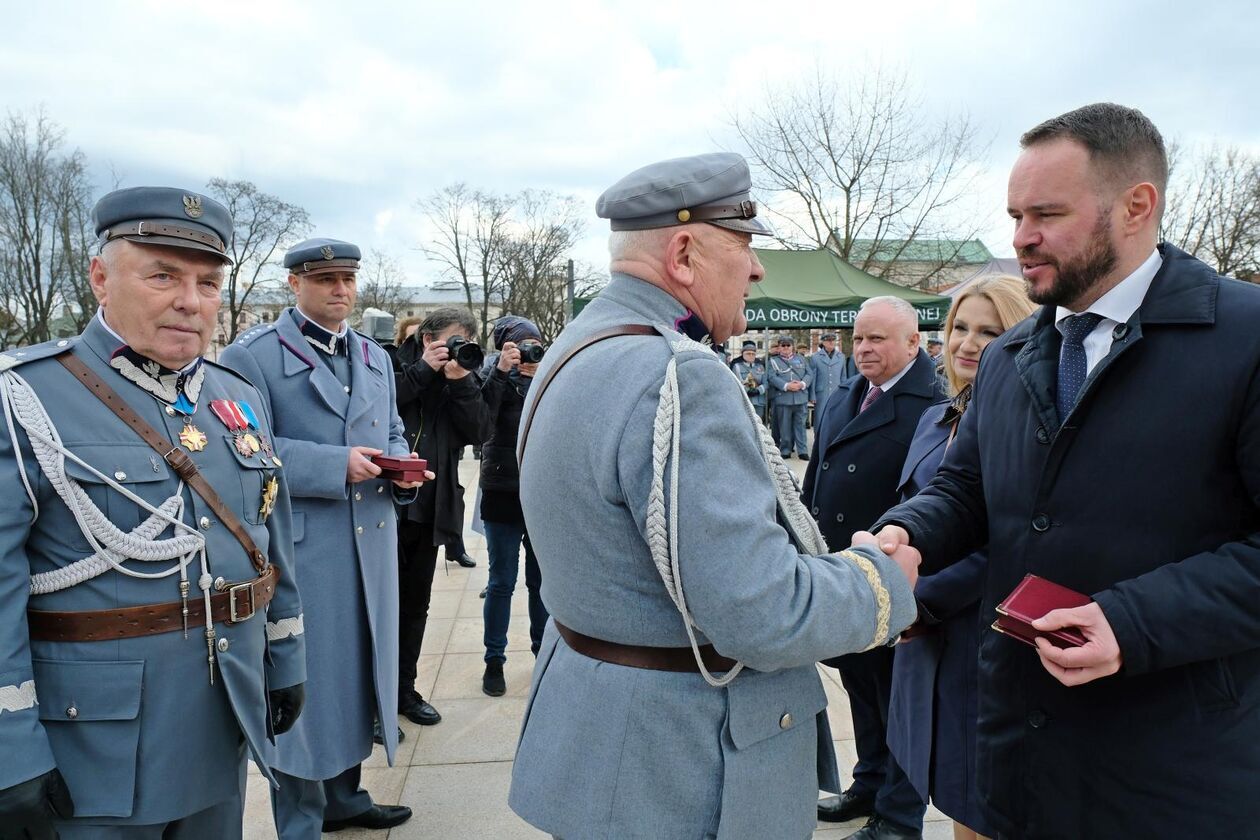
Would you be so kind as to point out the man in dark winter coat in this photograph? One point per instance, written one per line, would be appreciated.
(1113, 446)
(863, 434)
(442, 412)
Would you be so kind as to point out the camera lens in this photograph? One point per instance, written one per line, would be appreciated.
(531, 354)
(467, 354)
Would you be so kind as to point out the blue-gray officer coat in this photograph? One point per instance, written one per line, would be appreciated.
(345, 538)
(149, 738)
(782, 371)
(608, 751)
(826, 374)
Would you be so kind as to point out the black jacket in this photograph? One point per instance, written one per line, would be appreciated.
(1148, 499)
(855, 466)
(504, 395)
(440, 416)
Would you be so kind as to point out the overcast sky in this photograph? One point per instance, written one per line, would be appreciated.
(355, 110)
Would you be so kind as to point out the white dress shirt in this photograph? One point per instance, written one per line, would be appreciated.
(1116, 308)
(892, 380)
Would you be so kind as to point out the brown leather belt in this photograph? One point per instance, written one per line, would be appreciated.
(639, 656)
(236, 602)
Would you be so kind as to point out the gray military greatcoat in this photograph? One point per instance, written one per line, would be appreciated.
(345, 538)
(134, 725)
(828, 371)
(608, 751)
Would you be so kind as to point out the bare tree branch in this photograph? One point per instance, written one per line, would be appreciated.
(860, 161)
(1213, 207)
(263, 227)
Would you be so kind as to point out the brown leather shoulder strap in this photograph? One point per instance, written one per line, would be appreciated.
(594, 338)
(177, 458)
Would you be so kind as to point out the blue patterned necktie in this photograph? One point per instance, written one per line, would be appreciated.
(1072, 363)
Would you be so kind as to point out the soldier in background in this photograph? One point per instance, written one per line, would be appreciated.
(148, 613)
(751, 372)
(790, 379)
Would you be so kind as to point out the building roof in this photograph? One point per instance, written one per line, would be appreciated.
(954, 251)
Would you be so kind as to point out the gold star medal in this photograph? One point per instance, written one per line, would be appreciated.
(192, 438)
(270, 490)
(251, 442)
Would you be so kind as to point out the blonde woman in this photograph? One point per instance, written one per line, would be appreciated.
(932, 711)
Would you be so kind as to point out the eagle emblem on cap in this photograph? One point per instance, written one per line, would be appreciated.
(192, 206)
(327, 251)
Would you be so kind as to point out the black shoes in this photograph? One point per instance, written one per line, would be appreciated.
(878, 828)
(464, 560)
(492, 681)
(484, 590)
(847, 806)
(415, 709)
(378, 738)
(378, 816)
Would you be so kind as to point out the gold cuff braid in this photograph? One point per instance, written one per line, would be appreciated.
(883, 605)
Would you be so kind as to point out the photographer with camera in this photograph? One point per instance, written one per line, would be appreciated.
(520, 350)
(442, 412)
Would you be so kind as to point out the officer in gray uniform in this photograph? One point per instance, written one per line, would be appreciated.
(790, 378)
(675, 693)
(751, 372)
(148, 614)
(828, 368)
(332, 392)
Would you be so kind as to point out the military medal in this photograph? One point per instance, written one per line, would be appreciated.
(270, 490)
(230, 415)
(193, 439)
(252, 419)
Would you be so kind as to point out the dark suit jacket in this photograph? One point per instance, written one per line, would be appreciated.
(1147, 497)
(854, 468)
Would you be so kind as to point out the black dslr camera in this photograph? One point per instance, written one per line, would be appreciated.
(532, 353)
(467, 354)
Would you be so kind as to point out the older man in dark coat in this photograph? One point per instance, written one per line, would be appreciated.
(1113, 447)
(863, 435)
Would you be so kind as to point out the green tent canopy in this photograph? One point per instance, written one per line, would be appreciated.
(818, 290)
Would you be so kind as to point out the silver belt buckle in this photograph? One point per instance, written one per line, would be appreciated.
(233, 616)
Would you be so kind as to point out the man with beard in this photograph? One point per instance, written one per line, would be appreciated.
(1112, 447)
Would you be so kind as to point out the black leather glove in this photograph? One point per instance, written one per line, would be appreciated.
(286, 705)
(27, 809)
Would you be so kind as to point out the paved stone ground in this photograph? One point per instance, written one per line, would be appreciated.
(455, 775)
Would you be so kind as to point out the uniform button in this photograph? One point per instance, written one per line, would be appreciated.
(358, 497)
(359, 530)
(380, 524)
(1041, 523)
(785, 722)
(62, 343)
(1036, 719)
(1042, 435)
(170, 411)
(223, 645)
(839, 517)
(72, 712)
(347, 389)
(826, 465)
(376, 422)
(220, 584)
(852, 467)
(120, 476)
(204, 522)
(380, 489)
(814, 510)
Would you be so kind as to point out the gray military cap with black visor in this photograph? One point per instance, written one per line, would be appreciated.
(321, 255)
(713, 188)
(164, 216)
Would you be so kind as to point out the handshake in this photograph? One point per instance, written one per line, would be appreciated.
(894, 541)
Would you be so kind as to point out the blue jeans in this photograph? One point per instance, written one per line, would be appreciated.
(503, 543)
